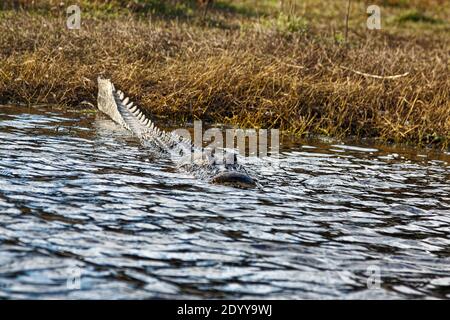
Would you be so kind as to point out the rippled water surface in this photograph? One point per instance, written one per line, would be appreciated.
(86, 212)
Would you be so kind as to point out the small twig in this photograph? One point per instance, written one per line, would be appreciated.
(363, 73)
(206, 4)
(287, 63)
(374, 75)
(347, 16)
(292, 65)
(84, 102)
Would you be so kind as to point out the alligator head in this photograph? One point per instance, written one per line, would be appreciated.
(234, 179)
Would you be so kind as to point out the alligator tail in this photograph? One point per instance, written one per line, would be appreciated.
(121, 110)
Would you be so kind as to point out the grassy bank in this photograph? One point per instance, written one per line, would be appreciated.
(250, 63)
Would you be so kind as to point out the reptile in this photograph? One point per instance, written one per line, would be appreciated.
(221, 169)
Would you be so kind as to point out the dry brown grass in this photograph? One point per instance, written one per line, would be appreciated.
(238, 71)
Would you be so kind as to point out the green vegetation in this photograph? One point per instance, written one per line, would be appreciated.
(416, 16)
(252, 63)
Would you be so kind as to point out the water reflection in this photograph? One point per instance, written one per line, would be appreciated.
(76, 191)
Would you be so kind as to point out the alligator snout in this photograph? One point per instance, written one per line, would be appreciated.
(234, 179)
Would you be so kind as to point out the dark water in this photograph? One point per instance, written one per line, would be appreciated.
(85, 212)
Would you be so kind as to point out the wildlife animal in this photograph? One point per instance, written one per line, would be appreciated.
(192, 159)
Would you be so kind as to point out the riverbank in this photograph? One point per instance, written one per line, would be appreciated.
(243, 65)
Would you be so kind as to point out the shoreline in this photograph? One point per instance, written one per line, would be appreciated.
(237, 69)
(287, 142)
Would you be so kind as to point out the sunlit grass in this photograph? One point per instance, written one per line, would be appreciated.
(248, 63)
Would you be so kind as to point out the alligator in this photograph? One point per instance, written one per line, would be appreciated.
(221, 169)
